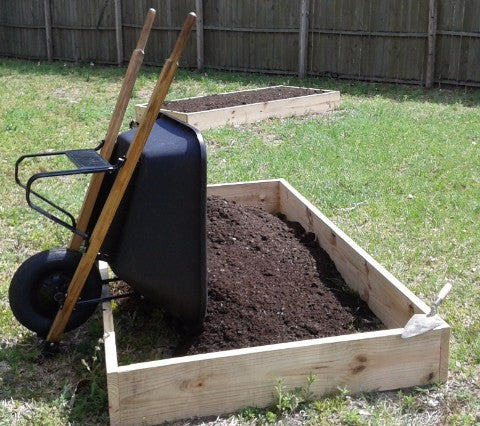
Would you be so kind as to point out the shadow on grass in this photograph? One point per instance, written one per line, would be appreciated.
(160, 335)
(73, 381)
(449, 95)
(10, 66)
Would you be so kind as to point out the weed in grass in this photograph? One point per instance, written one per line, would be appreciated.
(330, 405)
(306, 392)
(90, 392)
(286, 401)
(286, 405)
(256, 416)
(408, 401)
(289, 401)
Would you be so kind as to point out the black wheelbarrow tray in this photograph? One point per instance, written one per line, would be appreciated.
(156, 242)
(145, 215)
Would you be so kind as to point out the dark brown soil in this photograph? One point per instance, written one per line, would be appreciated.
(270, 282)
(225, 100)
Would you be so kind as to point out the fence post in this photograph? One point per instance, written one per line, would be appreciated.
(431, 43)
(119, 30)
(48, 28)
(303, 37)
(199, 34)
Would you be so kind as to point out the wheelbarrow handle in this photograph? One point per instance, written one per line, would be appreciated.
(147, 26)
(120, 184)
(126, 90)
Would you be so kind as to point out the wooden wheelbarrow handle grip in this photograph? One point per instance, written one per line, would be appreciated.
(114, 127)
(147, 26)
(166, 76)
(120, 185)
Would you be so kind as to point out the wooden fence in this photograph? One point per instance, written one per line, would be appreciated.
(408, 41)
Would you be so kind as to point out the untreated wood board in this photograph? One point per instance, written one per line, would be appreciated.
(223, 382)
(317, 103)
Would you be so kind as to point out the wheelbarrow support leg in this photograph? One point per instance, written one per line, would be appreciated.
(114, 127)
(119, 186)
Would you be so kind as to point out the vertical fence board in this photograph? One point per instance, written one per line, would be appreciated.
(199, 30)
(453, 46)
(432, 40)
(118, 30)
(48, 29)
(472, 25)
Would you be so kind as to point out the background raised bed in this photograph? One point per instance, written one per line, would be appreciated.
(319, 101)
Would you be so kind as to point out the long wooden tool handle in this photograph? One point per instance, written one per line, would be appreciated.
(120, 185)
(114, 127)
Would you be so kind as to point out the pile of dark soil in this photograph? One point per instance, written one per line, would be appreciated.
(205, 103)
(270, 282)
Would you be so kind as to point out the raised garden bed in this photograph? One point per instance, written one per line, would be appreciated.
(226, 381)
(248, 106)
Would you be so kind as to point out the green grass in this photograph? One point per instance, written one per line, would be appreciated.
(396, 167)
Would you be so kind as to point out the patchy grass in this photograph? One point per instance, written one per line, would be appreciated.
(396, 167)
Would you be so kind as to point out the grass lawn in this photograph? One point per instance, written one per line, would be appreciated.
(396, 167)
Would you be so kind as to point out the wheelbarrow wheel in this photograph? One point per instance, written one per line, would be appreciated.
(39, 285)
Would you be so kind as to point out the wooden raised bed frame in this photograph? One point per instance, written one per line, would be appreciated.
(316, 103)
(224, 382)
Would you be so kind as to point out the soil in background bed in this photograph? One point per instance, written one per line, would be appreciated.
(269, 282)
(225, 100)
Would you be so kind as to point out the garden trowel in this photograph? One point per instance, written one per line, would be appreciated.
(421, 323)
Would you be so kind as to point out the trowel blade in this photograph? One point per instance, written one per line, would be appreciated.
(419, 324)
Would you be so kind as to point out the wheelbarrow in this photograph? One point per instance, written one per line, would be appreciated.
(144, 213)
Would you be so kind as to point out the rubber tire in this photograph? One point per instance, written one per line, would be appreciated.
(30, 280)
